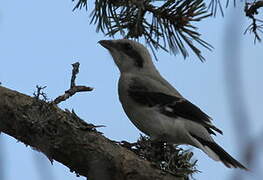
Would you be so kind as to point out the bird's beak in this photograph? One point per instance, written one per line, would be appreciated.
(108, 44)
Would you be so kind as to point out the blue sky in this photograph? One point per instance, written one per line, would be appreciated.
(40, 39)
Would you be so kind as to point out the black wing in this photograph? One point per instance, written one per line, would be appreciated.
(173, 106)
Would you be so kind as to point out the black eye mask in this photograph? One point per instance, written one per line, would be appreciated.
(131, 52)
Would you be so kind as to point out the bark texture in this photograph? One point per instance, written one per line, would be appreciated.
(64, 137)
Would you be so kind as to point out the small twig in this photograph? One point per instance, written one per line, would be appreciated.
(73, 88)
(75, 71)
(71, 92)
(40, 92)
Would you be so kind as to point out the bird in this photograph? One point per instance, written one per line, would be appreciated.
(156, 108)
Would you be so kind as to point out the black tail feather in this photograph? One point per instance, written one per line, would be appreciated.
(226, 158)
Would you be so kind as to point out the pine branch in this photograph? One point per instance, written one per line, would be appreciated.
(81, 4)
(251, 9)
(256, 27)
(169, 26)
(165, 24)
(214, 5)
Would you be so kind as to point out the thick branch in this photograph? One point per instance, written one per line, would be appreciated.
(64, 137)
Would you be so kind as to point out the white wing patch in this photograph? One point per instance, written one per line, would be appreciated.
(166, 108)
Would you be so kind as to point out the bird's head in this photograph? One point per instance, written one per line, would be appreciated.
(129, 55)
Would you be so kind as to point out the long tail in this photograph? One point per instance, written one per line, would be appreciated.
(217, 153)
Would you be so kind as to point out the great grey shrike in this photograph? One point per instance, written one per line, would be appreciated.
(156, 108)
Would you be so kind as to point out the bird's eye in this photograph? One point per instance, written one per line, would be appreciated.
(127, 47)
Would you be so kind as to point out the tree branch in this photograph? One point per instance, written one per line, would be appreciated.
(169, 25)
(256, 27)
(64, 137)
(73, 88)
